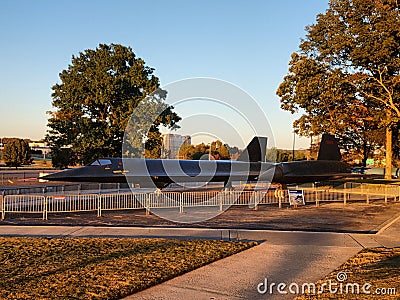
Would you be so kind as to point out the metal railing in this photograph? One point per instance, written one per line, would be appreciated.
(23, 204)
(73, 188)
(354, 192)
(65, 203)
(72, 203)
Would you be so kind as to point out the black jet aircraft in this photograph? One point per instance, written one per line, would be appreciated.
(250, 166)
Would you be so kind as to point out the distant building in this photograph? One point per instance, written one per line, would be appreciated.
(40, 146)
(172, 143)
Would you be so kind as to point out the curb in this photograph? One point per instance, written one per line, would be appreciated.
(387, 224)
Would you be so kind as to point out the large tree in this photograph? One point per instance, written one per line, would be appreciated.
(16, 152)
(61, 158)
(345, 77)
(94, 101)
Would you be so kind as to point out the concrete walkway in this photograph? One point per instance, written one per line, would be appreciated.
(238, 276)
(283, 257)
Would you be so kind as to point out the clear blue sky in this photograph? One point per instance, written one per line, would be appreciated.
(247, 43)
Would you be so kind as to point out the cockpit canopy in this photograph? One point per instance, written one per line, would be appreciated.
(101, 162)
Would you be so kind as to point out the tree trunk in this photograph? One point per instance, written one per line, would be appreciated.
(388, 167)
(365, 153)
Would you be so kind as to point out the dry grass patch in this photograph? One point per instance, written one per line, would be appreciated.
(99, 268)
(378, 267)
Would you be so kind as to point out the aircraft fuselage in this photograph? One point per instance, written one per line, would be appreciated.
(162, 172)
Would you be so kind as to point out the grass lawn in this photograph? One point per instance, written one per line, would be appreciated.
(99, 268)
(378, 268)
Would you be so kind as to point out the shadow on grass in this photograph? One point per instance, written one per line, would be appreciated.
(388, 267)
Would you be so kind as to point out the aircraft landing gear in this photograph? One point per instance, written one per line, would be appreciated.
(228, 186)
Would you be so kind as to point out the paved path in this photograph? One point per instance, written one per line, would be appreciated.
(283, 256)
(238, 276)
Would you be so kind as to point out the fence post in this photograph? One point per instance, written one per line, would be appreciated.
(280, 202)
(45, 207)
(255, 199)
(147, 205)
(181, 203)
(99, 205)
(220, 201)
(316, 199)
(363, 192)
(386, 196)
(345, 197)
(3, 206)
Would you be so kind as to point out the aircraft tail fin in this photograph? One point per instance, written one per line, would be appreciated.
(329, 149)
(255, 151)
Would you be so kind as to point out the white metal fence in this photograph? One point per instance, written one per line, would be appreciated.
(64, 189)
(353, 192)
(23, 204)
(124, 201)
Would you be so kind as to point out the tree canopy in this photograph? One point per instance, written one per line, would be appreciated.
(217, 149)
(61, 158)
(16, 152)
(280, 155)
(93, 103)
(345, 77)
